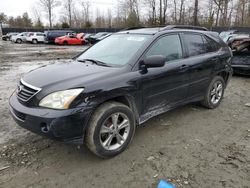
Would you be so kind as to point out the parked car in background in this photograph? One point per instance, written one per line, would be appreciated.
(226, 35)
(103, 37)
(241, 62)
(8, 36)
(86, 36)
(36, 37)
(51, 35)
(71, 39)
(122, 81)
(95, 38)
(240, 45)
(20, 38)
(239, 42)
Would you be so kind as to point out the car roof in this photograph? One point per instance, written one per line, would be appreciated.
(153, 31)
(59, 31)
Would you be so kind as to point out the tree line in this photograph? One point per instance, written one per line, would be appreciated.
(134, 13)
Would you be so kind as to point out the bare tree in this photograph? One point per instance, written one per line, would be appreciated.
(37, 17)
(151, 6)
(182, 12)
(109, 18)
(68, 5)
(196, 6)
(48, 6)
(86, 10)
(165, 7)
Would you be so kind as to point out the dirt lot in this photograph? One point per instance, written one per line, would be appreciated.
(190, 146)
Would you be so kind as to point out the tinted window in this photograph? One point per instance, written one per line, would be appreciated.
(208, 46)
(194, 44)
(40, 34)
(168, 46)
(215, 46)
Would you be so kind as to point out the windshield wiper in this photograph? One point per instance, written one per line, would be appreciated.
(95, 62)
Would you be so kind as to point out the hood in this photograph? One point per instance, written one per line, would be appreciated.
(67, 74)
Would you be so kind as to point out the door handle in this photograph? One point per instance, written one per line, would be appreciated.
(183, 67)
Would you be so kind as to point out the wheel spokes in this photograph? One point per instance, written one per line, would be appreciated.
(119, 138)
(213, 92)
(115, 119)
(123, 124)
(114, 131)
(108, 141)
(219, 88)
(106, 129)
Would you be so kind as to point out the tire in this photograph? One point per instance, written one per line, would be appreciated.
(19, 41)
(65, 43)
(102, 120)
(214, 93)
(34, 41)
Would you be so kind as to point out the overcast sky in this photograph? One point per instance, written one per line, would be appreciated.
(18, 7)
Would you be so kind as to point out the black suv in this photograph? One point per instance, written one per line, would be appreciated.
(50, 36)
(101, 95)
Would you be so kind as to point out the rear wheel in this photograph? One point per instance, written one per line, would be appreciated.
(19, 41)
(65, 43)
(34, 41)
(215, 93)
(110, 130)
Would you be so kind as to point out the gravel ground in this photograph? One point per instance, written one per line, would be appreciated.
(190, 146)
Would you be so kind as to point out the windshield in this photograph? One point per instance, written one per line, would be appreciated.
(117, 49)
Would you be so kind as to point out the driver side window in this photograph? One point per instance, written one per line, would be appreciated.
(168, 46)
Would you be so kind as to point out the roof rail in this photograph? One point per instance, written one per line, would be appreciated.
(132, 28)
(169, 27)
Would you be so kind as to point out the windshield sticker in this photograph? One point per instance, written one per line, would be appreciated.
(138, 39)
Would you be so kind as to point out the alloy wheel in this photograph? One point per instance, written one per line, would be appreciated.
(216, 92)
(114, 131)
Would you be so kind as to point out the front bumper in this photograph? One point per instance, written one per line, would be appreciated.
(63, 125)
(241, 69)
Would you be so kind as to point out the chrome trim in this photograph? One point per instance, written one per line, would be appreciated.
(30, 86)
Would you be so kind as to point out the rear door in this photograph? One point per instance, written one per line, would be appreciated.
(202, 58)
(166, 85)
(40, 37)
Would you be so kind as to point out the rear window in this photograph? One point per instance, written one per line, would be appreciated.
(40, 34)
(214, 45)
(194, 44)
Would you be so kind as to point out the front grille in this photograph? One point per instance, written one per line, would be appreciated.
(25, 91)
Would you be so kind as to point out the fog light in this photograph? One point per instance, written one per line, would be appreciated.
(45, 128)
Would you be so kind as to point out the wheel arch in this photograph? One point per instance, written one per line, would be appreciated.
(225, 75)
(128, 101)
(123, 99)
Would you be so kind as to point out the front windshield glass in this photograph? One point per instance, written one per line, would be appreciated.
(117, 49)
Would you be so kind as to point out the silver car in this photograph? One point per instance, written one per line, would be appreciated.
(20, 38)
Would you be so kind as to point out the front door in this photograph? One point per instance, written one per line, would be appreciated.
(165, 86)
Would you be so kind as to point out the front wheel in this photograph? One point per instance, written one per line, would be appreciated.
(110, 130)
(19, 41)
(215, 93)
(34, 41)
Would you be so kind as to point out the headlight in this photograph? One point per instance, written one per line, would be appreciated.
(61, 99)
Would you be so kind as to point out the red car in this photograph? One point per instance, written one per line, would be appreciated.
(71, 39)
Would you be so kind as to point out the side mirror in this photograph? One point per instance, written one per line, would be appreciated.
(154, 61)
